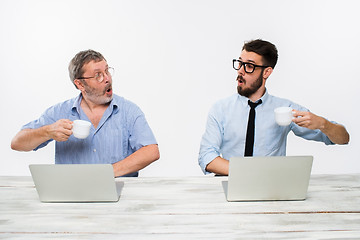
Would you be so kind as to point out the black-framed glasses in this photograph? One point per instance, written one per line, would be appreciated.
(248, 67)
(99, 76)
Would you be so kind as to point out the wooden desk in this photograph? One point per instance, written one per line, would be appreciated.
(183, 208)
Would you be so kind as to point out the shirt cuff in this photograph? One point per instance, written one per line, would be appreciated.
(206, 159)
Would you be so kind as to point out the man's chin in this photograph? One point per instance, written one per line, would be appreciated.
(109, 96)
(242, 92)
(103, 101)
(109, 99)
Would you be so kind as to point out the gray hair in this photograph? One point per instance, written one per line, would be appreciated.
(80, 59)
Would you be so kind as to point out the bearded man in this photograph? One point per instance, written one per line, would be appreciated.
(119, 134)
(244, 123)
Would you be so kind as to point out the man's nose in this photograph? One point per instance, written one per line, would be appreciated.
(107, 77)
(241, 70)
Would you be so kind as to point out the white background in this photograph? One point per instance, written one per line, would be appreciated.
(173, 59)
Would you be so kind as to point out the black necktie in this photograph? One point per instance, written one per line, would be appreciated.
(249, 144)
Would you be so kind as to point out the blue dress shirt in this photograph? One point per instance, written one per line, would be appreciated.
(226, 126)
(121, 131)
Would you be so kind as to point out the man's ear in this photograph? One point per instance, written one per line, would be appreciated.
(267, 72)
(79, 84)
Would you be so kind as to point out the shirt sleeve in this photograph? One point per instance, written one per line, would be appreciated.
(45, 119)
(309, 134)
(211, 140)
(140, 132)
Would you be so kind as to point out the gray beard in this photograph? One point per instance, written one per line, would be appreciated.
(97, 98)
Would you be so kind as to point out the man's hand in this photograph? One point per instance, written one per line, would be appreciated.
(61, 130)
(308, 120)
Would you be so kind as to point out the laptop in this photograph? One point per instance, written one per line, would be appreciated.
(75, 182)
(268, 178)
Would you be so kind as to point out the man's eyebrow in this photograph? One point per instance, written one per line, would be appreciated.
(249, 61)
(99, 70)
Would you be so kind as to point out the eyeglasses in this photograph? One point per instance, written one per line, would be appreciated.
(99, 76)
(248, 67)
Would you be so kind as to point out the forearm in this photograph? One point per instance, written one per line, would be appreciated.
(335, 132)
(29, 139)
(136, 161)
(218, 166)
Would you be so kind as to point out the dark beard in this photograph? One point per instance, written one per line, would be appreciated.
(247, 92)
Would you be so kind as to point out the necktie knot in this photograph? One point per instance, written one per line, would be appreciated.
(253, 105)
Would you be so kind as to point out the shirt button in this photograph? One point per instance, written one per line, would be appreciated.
(94, 150)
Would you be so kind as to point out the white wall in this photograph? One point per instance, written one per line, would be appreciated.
(173, 59)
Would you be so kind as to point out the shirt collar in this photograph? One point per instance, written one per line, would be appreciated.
(76, 105)
(265, 96)
(244, 100)
(114, 105)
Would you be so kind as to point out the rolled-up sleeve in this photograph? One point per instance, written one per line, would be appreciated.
(45, 119)
(211, 140)
(140, 132)
(309, 134)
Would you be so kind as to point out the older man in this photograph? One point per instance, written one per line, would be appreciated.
(119, 135)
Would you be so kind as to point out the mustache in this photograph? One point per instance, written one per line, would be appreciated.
(107, 87)
(240, 78)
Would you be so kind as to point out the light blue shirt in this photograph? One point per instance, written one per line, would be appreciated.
(121, 131)
(226, 126)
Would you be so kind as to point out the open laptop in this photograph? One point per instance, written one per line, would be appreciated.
(268, 178)
(75, 182)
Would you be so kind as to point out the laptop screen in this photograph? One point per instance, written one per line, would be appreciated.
(269, 178)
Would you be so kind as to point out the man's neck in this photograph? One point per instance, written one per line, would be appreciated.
(257, 95)
(93, 111)
(91, 106)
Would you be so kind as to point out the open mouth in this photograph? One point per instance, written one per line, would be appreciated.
(108, 89)
(240, 79)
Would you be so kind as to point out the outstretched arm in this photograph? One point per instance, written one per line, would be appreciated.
(29, 139)
(335, 132)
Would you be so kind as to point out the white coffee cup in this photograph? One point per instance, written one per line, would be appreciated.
(283, 115)
(81, 129)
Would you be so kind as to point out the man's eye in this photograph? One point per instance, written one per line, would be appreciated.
(249, 66)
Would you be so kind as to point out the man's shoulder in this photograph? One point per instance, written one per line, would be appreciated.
(228, 99)
(124, 104)
(121, 101)
(278, 99)
(224, 104)
(67, 104)
(281, 102)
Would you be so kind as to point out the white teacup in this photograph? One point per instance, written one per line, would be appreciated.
(81, 129)
(283, 115)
